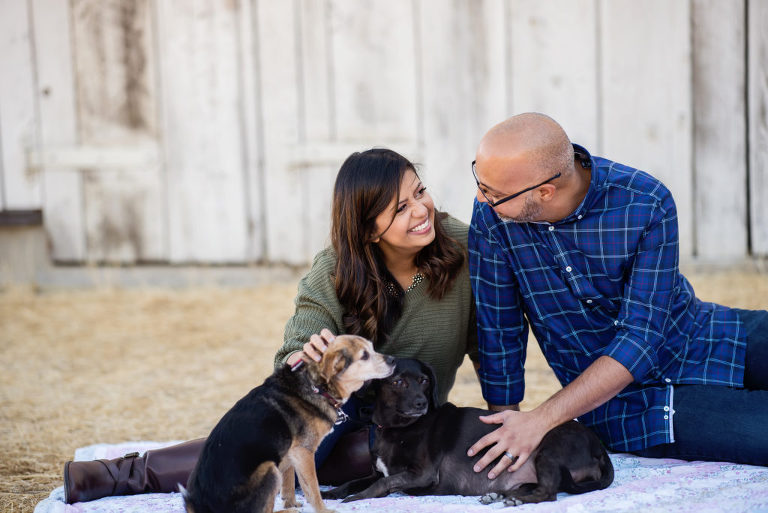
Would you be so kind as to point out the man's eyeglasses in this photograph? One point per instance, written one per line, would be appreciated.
(495, 203)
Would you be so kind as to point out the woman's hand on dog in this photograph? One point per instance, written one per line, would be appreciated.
(519, 434)
(315, 348)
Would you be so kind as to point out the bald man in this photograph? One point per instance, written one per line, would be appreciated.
(585, 251)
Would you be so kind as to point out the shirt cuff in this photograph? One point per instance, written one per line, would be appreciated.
(636, 355)
(502, 389)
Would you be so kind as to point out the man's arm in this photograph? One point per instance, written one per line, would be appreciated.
(521, 432)
(502, 331)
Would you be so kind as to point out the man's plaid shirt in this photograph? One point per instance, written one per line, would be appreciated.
(603, 281)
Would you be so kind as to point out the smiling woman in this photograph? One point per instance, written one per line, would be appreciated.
(396, 274)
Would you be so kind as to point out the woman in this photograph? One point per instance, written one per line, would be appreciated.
(396, 273)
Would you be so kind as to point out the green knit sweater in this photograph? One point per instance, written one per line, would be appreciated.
(437, 332)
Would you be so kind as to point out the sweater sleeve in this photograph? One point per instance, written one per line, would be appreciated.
(317, 307)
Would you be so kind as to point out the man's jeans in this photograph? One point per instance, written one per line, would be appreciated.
(720, 423)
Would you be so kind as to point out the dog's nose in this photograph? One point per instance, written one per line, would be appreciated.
(390, 360)
(420, 403)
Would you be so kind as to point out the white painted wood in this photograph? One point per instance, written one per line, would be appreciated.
(462, 74)
(20, 188)
(124, 211)
(135, 154)
(278, 71)
(374, 70)
(62, 190)
(719, 129)
(757, 51)
(316, 125)
(553, 53)
(198, 61)
(646, 108)
(250, 115)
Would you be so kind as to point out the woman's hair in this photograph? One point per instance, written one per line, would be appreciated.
(365, 186)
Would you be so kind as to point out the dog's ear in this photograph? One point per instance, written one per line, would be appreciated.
(432, 394)
(333, 364)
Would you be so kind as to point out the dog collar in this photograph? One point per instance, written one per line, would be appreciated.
(341, 415)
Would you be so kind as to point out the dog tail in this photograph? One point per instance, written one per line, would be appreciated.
(185, 495)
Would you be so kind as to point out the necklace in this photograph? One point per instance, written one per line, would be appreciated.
(417, 278)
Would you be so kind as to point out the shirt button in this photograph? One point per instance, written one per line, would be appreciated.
(666, 408)
(568, 269)
(589, 301)
(615, 323)
(551, 228)
(579, 216)
(666, 417)
(668, 380)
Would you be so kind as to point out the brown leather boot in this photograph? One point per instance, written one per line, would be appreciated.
(349, 459)
(158, 470)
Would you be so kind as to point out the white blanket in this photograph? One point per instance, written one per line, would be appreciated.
(641, 485)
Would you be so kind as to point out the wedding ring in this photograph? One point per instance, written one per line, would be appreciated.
(510, 456)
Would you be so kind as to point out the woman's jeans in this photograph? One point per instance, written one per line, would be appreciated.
(359, 417)
(717, 423)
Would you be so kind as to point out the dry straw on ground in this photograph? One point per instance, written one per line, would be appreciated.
(81, 367)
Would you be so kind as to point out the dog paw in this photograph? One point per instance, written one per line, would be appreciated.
(352, 498)
(292, 504)
(490, 498)
(513, 501)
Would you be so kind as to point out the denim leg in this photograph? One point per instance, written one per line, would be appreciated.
(721, 423)
(717, 424)
(756, 366)
(352, 408)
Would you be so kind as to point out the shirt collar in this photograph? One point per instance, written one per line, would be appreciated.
(589, 199)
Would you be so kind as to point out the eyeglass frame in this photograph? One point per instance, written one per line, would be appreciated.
(494, 204)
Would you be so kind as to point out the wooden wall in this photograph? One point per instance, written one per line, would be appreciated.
(210, 130)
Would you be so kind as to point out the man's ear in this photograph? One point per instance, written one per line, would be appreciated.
(546, 192)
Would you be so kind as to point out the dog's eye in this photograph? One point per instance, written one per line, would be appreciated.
(423, 380)
(397, 383)
(365, 355)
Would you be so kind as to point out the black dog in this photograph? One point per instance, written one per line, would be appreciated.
(420, 448)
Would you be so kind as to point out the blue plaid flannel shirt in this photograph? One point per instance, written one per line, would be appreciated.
(603, 281)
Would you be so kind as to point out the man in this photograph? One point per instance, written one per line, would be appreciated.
(585, 250)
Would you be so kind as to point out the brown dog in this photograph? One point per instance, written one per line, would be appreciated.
(276, 429)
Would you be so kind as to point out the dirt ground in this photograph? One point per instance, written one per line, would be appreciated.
(81, 367)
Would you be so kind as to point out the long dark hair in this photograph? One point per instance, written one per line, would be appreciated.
(366, 184)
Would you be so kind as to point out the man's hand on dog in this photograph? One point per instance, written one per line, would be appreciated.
(519, 434)
(315, 348)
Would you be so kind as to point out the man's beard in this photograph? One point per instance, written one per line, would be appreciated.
(530, 213)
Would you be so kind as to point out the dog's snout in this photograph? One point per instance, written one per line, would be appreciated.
(420, 403)
(390, 360)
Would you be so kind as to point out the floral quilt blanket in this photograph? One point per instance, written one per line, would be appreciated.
(641, 484)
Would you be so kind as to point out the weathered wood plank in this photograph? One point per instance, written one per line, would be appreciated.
(20, 187)
(462, 74)
(757, 51)
(316, 120)
(250, 115)
(375, 89)
(646, 108)
(123, 206)
(62, 196)
(198, 58)
(553, 52)
(719, 129)
(278, 72)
